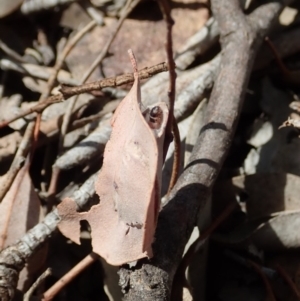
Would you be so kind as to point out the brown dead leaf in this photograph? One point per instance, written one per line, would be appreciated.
(123, 224)
(20, 209)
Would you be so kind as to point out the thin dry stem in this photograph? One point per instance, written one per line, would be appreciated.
(288, 280)
(36, 284)
(98, 85)
(179, 279)
(166, 11)
(177, 156)
(257, 268)
(67, 278)
(112, 81)
(61, 58)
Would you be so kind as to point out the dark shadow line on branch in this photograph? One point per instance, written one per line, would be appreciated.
(208, 162)
(214, 126)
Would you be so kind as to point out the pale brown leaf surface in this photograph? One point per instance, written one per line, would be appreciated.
(123, 224)
(20, 209)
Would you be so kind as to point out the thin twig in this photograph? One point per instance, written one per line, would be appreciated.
(166, 11)
(36, 284)
(85, 120)
(176, 155)
(265, 280)
(58, 65)
(98, 85)
(10, 52)
(288, 280)
(52, 79)
(179, 280)
(18, 160)
(61, 58)
(42, 104)
(36, 108)
(289, 77)
(172, 126)
(67, 278)
(36, 131)
(126, 78)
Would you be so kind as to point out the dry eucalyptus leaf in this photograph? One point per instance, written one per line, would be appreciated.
(123, 224)
(20, 209)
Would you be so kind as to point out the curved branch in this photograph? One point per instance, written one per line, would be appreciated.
(240, 37)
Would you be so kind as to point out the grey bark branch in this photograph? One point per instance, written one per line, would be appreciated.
(240, 37)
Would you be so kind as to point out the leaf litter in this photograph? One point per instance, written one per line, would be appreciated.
(261, 172)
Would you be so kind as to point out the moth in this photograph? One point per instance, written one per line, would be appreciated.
(129, 183)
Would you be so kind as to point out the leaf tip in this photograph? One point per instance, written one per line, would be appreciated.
(133, 60)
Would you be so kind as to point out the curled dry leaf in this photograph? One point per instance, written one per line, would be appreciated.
(124, 222)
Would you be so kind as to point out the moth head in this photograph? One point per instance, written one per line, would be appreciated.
(156, 116)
